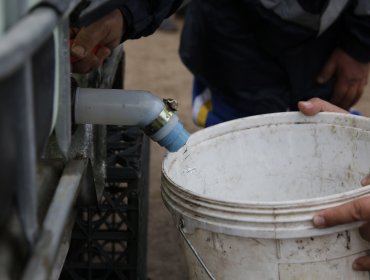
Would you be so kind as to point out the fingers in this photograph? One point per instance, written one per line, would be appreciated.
(92, 61)
(94, 43)
(86, 64)
(357, 210)
(351, 78)
(102, 54)
(107, 32)
(365, 231)
(366, 181)
(349, 98)
(328, 71)
(85, 40)
(91, 36)
(316, 105)
(347, 92)
(362, 264)
(360, 91)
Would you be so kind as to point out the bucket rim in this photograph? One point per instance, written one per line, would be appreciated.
(274, 205)
(325, 118)
(329, 118)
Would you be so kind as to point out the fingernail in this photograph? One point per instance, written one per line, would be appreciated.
(78, 51)
(318, 221)
(307, 104)
(320, 80)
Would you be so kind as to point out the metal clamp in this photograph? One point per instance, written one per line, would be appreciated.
(169, 109)
(159, 122)
(180, 227)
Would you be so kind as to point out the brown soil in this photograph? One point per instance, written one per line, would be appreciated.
(153, 64)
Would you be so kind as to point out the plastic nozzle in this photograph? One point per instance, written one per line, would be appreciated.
(175, 139)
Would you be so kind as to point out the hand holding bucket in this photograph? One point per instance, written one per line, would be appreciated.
(247, 190)
(354, 211)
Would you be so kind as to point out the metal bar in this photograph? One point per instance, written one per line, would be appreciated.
(143, 209)
(41, 262)
(27, 35)
(133, 222)
(26, 191)
(24, 38)
(63, 249)
(63, 114)
(180, 227)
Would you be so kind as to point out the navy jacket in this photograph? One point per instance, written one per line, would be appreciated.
(262, 56)
(144, 16)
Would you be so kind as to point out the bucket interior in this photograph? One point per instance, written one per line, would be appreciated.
(281, 162)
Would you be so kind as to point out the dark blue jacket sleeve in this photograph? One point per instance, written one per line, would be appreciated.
(143, 17)
(355, 39)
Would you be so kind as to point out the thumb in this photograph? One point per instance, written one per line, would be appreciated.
(356, 210)
(366, 181)
(308, 108)
(84, 42)
(327, 72)
(316, 105)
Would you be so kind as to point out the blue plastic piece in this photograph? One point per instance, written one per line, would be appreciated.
(357, 113)
(176, 139)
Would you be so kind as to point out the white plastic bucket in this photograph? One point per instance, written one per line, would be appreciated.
(243, 194)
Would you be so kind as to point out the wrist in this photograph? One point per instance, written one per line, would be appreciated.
(126, 22)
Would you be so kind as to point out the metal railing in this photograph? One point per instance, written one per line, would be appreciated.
(47, 163)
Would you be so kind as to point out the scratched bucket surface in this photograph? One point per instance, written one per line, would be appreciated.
(245, 192)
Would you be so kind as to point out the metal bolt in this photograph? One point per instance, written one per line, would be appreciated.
(171, 104)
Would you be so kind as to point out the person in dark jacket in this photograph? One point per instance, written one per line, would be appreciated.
(262, 56)
(131, 20)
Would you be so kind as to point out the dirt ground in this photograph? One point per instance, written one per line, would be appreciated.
(153, 64)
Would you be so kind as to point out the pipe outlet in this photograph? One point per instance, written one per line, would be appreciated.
(156, 117)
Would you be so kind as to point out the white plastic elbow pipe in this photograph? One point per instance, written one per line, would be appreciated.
(131, 108)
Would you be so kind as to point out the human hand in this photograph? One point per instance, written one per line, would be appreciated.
(105, 33)
(351, 77)
(357, 210)
(316, 105)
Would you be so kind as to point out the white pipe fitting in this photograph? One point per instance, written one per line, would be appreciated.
(131, 108)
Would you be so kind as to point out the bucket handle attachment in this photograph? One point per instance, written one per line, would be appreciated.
(181, 227)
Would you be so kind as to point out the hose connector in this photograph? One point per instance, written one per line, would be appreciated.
(157, 118)
(167, 129)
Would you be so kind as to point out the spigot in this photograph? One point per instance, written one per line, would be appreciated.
(157, 118)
